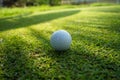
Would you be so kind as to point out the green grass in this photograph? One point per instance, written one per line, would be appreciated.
(102, 4)
(6, 12)
(17, 11)
(26, 54)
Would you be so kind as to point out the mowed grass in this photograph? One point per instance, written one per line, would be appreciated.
(26, 54)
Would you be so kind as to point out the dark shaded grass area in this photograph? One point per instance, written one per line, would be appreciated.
(71, 64)
(111, 43)
(74, 64)
(16, 61)
(22, 21)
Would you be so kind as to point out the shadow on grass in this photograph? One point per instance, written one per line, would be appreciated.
(18, 22)
(77, 62)
(17, 64)
(102, 23)
(45, 42)
(101, 40)
(82, 64)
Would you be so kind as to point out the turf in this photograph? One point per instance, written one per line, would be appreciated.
(26, 54)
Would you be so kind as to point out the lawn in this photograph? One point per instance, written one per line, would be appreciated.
(26, 54)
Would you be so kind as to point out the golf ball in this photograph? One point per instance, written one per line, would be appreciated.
(60, 40)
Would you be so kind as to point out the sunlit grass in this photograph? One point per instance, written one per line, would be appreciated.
(25, 51)
(6, 12)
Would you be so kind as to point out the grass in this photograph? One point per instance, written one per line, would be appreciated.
(6, 12)
(30, 10)
(26, 54)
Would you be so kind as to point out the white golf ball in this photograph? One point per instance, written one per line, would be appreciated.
(60, 40)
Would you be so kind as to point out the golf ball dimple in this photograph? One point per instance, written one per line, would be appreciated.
(61, 40)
